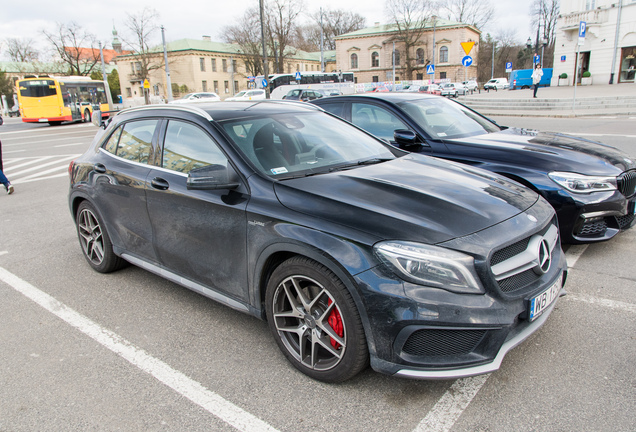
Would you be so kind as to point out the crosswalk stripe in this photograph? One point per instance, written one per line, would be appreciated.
(26, 170)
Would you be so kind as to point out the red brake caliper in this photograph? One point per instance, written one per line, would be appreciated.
(335, 321)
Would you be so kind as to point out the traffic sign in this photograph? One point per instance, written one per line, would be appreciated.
(562, 58)
(430, 70)
(582, 30)
(536, 59)
(467, 61)
(467, 46)
(297, 76)
(508, 66)
(146, 84)
(264, 83)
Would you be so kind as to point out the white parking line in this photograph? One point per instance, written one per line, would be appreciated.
(450, 407)
(612, 304)
(574, 253)
(206, 399)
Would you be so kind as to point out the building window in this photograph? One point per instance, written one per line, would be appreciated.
(213, 65)
(204, 86)
(375, 78)
(443, 54)
(354, 61)
(236, 87)
(419, 76)
(234, 67)
(128, 92)
(227, 86)
(155, 89)
(297, 67)
(397, 58)
(216, 87)
(224, 64)
(442, 75)
(375, 59)
(419, 56)
(202, 64)
(590, 4)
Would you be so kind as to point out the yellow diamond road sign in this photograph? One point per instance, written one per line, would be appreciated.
(467, 46)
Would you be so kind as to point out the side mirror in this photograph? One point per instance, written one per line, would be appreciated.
(213, 177)
(406, 139)
(96, 118)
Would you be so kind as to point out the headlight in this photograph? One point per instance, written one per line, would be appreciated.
(579, 183)
(431, 266)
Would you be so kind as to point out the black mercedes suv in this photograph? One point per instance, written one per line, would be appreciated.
(354, 251)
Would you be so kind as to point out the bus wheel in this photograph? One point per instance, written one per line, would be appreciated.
(87, 116)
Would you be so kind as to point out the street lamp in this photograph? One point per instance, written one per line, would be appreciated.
(434, 23)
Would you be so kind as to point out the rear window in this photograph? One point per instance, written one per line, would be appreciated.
(37, 88)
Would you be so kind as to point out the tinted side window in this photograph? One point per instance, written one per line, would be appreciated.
(334, 108)
(111, 144)
(187, 147)
(135, 142)
(378, 121)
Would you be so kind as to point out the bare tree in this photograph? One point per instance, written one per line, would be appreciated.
(544, 15)
(281, 20)
(21, 50)
(474, 12)
(336, 22)
(76, 47)
(143, 26)
(410, 18)
(247, 35)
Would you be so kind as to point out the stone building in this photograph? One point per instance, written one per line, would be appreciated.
(609, 49)
(199, 65)
(368, 52)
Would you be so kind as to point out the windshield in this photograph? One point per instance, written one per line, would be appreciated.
(239, 94)
(441, 118)
(298, 144)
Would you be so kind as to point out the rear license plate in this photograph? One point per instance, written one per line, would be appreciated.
(539, 303)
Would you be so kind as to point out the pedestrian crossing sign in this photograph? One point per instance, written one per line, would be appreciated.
(430, 69)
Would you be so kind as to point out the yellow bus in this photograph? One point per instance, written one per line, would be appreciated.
(53, 100)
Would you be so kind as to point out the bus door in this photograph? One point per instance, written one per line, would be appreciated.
(71, 100)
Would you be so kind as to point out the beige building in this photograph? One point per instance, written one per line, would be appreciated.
(368, 52)
(199, 65)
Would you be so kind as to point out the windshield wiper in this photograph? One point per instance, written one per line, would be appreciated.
(359, 163)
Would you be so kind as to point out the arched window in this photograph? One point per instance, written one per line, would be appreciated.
(419, 56)
(375, 59)
(443, 54)
(354, 61)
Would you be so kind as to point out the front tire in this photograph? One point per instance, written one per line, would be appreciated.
(94, 240)
(315, 321)
(87, 116)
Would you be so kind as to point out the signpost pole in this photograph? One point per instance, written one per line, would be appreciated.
(581, 41)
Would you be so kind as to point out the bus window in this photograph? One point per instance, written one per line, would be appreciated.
(40, 88)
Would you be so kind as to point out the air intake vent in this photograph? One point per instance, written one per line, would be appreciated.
(434, 343)
(627, 183)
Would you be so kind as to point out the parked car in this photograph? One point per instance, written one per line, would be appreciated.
(449, 90)
(248, 95)
(431, 89)
(461, 88)
(496, 84)
(591, 185)
(303, 95)
(352, 249)
(471, 85)
(197, 98)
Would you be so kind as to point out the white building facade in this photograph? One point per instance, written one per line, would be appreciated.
(609, 50)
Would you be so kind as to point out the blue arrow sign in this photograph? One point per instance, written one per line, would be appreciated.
(264, 83)
(430, 69)
(297, 76)
(467, 61)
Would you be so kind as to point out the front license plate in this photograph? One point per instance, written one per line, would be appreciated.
(539, 303)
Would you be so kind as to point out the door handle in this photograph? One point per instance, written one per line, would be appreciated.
(159, 183)
(100, 168)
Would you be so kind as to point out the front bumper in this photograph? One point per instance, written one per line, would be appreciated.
(424, 332)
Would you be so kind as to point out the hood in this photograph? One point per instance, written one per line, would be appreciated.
(546, 151)
(416, 198)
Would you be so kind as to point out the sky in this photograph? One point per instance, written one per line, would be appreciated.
(195, 18)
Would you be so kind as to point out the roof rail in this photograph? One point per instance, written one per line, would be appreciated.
(194, 110)
(288, 102)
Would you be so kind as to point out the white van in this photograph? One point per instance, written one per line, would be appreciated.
(496, 84)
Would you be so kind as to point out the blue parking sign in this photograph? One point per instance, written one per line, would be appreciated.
(582, 29)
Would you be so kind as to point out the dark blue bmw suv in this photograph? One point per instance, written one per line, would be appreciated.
(354, 251)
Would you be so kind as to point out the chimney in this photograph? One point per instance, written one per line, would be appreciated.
(207, 38)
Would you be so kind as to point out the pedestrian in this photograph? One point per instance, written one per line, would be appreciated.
(3, 179)
(537, 73)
